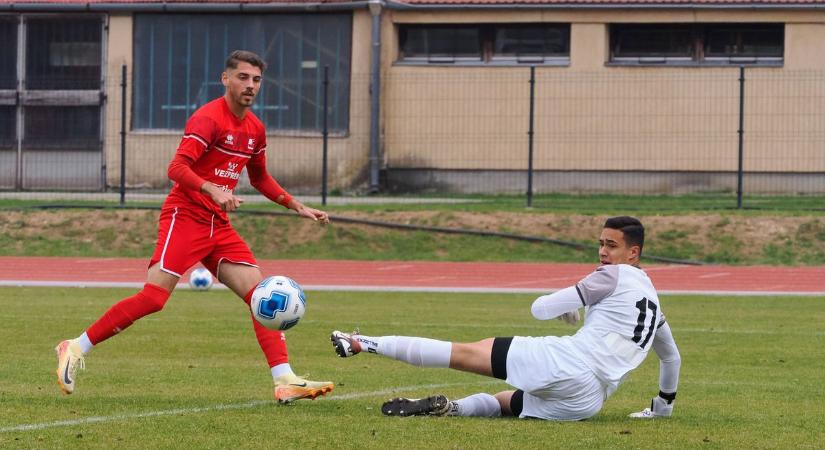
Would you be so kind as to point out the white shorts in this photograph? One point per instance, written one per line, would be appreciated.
(557, 385)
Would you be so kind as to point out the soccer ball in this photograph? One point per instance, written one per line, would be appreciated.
(200, 279)
(278, 303)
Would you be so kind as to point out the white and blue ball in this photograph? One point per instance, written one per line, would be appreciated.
(278, 303)
(200, 279)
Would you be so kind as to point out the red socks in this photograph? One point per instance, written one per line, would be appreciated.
(272, 342)
(152, 298)
(125, 312)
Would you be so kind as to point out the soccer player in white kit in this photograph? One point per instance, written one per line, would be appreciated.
(555, 378)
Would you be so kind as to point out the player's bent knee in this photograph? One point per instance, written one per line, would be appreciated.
(155, 297)
(155, 305)
(162, 279)
(516, 403)
(504, 401)
(240, 278)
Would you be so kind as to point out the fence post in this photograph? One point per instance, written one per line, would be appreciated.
(122, 134)
(325, 134)
(375, 7)
(530, 137)
(741, 131)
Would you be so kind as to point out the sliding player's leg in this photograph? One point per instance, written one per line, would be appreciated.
(473, 357)
(242, 278)
(555, 395)
(575, 399)
(486, 357)
(476, 405)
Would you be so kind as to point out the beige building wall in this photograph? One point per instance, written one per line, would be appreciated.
(293, 159)
(595, 116)
(645, 118)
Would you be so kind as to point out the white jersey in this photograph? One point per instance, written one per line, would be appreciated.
(622, 314)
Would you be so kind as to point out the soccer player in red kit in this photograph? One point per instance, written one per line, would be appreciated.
(220, 139)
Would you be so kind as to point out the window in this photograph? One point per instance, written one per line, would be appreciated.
(531, 43)
(441, 43)
(692, 44)
(8, 81)
(477, 44)
(179, 59)
(62, 127)
(665, 41)
(744, 42)
(8, 125)
(63, 53)
(8, 52)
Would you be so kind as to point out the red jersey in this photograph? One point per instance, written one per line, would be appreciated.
(217, 146)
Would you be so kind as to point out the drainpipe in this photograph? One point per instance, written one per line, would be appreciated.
(375, 95)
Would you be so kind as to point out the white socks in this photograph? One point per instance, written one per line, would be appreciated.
(422, 352)
(661, 407)
(280, 369)
(477, 405)
(84, 343)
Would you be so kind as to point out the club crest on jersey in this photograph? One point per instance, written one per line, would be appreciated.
(251, 144)
(230, 140)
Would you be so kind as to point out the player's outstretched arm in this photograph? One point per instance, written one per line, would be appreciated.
(563, 305)
(310, 213)
(265, 184)
(670, 363)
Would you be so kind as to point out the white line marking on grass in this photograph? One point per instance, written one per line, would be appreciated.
(97, 419)
(91, 284)
(246, 405)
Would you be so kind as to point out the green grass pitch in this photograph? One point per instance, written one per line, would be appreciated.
(192, 376)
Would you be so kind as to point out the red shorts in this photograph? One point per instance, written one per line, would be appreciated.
(183, 241)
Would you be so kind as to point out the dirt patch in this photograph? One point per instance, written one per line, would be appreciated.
(128, 231)
(709, 237)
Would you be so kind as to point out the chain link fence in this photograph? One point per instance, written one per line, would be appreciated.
(457, 132)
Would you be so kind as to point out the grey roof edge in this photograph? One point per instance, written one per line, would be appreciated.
(171, 7)
(239, 7)
(403, 6)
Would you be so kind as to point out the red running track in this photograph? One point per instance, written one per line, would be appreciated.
(429, 276)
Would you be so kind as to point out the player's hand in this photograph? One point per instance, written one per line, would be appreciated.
(315, 214)
(310, 213)
(226, 200)
(571, 318)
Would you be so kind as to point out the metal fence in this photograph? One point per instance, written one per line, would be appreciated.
(726, 132)
(655, 131)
